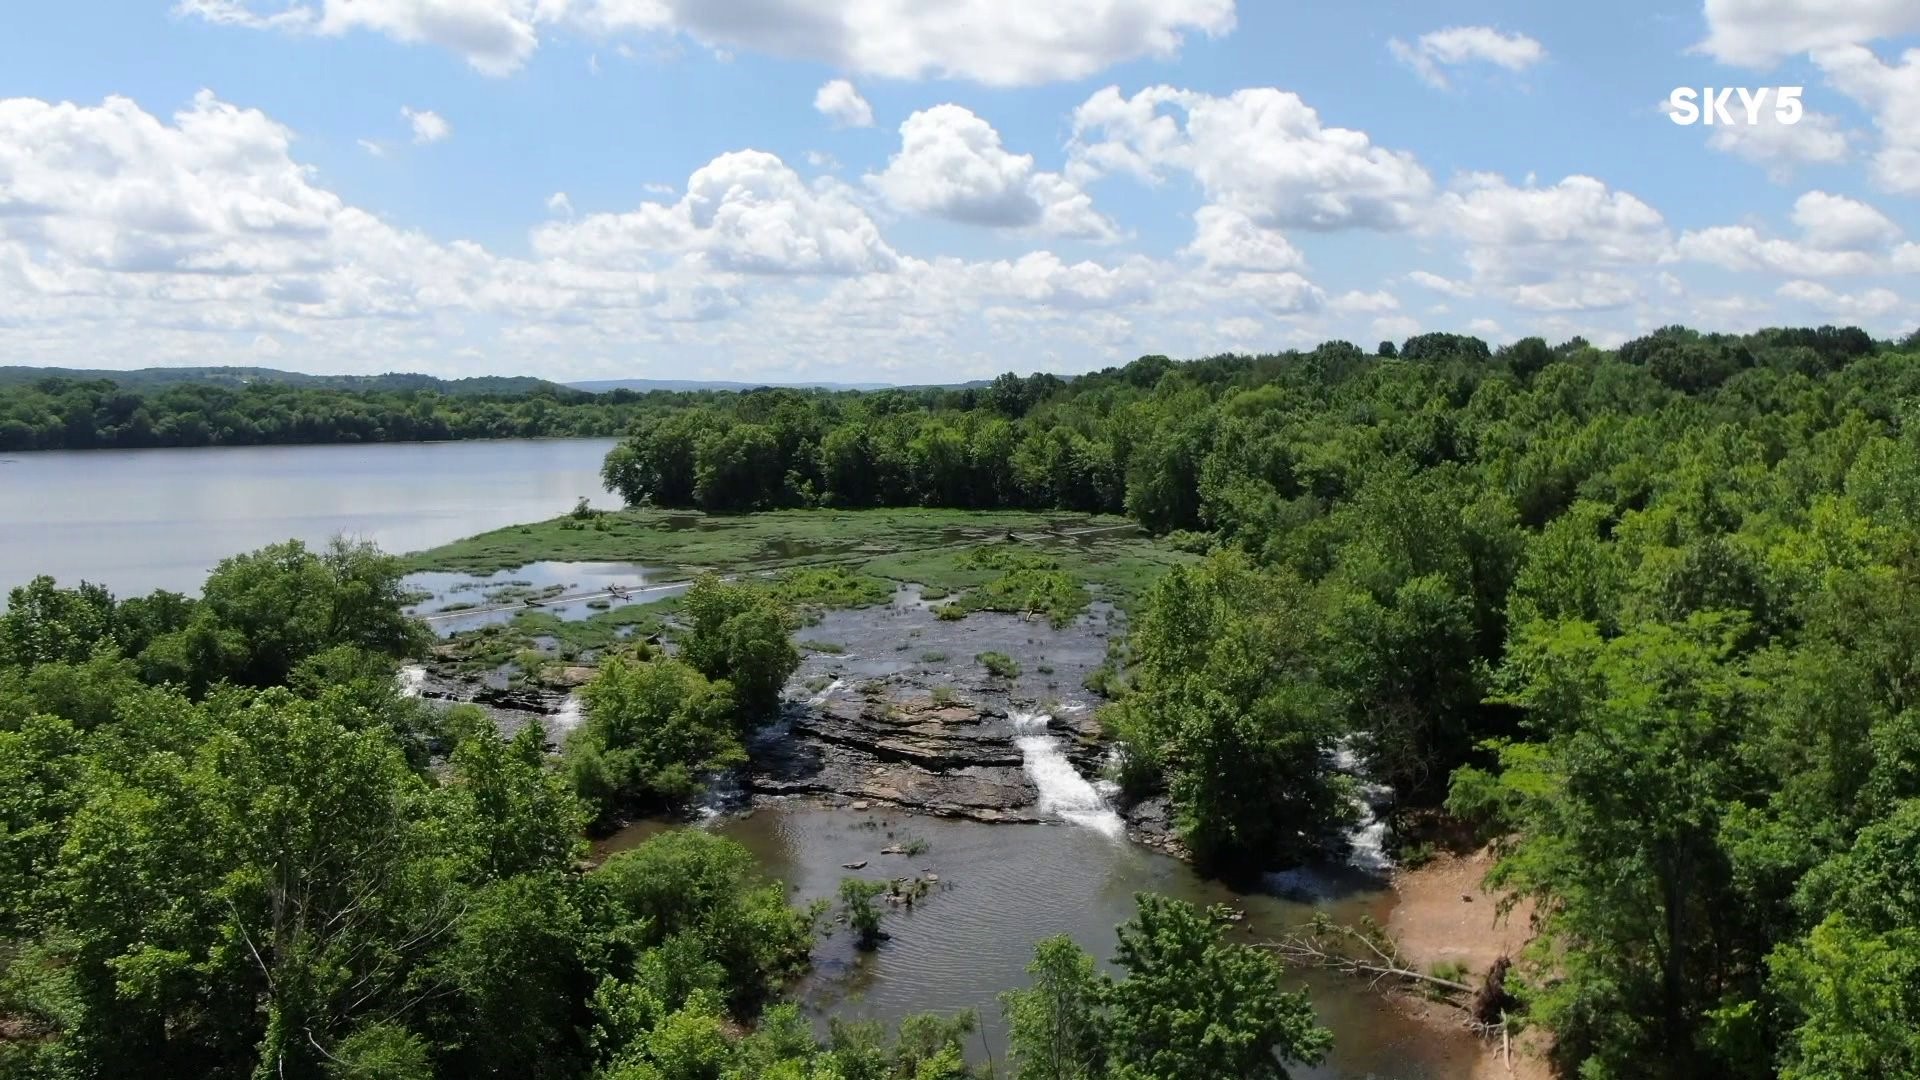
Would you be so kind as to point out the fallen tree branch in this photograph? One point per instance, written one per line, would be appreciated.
(1306, 949)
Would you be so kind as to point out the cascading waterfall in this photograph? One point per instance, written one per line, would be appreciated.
(1368, 838)
(1063, 791)
(563, 720)
(825, 693)
(413, 677)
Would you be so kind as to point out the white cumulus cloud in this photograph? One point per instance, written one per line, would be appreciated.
(1260, 151)
(952, 165)
(1892, 94)
(996, 42)
(840, 102)
(1760, 33)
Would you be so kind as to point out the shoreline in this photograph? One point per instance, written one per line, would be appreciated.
(1441, 915)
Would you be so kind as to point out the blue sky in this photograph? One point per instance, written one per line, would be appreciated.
(888, 190)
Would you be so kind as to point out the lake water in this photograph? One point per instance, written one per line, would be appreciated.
(138, 520)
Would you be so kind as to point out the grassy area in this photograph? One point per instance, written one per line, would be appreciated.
(756, 541)
(1118, 569)
(827, 559)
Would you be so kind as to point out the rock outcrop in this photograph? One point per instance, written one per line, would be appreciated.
(948, 759)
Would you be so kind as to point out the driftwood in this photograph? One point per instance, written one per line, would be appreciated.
(1367, 951)
(1363, 950)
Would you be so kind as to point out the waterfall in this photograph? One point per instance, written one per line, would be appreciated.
(821, 697)
(1063, 791)
(562, 721)
(412, 678)
(1368, 837)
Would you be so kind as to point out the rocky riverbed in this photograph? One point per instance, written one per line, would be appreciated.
(892, 707)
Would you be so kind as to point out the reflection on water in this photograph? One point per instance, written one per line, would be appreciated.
(457, 601)
(138, 520)
(1003, 888)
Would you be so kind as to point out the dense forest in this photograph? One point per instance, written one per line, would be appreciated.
(231, 847)
(84, 414)
(1647, 618)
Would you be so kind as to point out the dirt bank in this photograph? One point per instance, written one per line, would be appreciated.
(1441, 915)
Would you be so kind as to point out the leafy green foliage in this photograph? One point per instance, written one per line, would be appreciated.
(1230, 711)
(999, 664)
(739, 633)
(1191, 1004)
(654, 729)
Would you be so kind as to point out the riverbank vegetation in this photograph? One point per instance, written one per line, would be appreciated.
(1643, 615)
(61, 413)
(231, 846)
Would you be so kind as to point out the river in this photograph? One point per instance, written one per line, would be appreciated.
(1004, 887)
(139, 520)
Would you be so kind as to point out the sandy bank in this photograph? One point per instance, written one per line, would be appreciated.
(1442, 915)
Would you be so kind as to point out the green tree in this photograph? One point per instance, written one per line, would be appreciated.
(739, 633)
(654, 729)
(1053, 1027)
(1195, 1005)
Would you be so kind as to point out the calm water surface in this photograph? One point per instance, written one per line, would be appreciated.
(138, 520)
(146, 519)
(1003, 888)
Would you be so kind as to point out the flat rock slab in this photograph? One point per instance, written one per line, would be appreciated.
(948, 759)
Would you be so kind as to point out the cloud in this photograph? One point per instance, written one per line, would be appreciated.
(840, 102)
(1867, 305)
(1839, 235)
(745, 212)
(1837, 222)
(1892, 95)
(495, 37)
(995, 42)
(1440, 284)
(428, 126)
(1433, 53)
(1262, 152)
(1761, 33)
(1366, 302)
(558, 203)
(1226, 239)
(1815, 139)
(951, 164)
(1564, 247)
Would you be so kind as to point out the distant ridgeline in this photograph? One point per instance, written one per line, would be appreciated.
(72, 409)
(64, 408)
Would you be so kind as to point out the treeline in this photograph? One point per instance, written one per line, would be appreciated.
(1119, 439)
(231, 847)
(62, 414)
(1649, 618)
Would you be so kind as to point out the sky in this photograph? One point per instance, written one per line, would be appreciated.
(910, 191)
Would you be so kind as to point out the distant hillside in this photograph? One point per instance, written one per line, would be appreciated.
(158, 377)
(642, 386)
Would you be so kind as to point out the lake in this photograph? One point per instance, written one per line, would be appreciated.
(139, 520)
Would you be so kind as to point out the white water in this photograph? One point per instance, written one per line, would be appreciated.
(565, 718)
(412, 678)
(821, 697)
(1368, 838)
(1063, 791)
